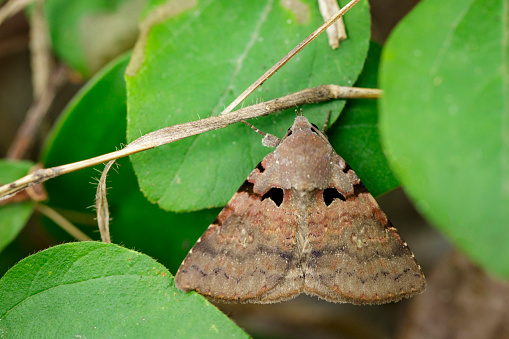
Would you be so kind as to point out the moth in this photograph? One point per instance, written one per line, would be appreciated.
(302, 222)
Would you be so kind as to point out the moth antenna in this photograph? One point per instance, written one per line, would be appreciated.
(301, 113)
(326, 122)
(254, 128)
(269, 140)
(296, 112)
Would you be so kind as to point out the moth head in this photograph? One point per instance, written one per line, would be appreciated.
(302, 125)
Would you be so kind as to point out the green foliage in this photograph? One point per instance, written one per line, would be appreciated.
(355, 134)
(94, 123)
(13, 216)
(92, 289)
(444, 121)
(179, 74)
(88, 34)
(443, 126)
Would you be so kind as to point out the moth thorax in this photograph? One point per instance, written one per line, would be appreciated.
(304, 162)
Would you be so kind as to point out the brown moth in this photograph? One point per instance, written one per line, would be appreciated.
(302, 222)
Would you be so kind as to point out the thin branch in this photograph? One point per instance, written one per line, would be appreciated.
(178, 132)
(101, 205)
(44, 84)
(12, 7)
(28, 129)
(33, 193)
(62, 222)
(40, 52)
(290, 55)
(336, 32)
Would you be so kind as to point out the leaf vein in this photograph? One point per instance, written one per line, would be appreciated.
(442, 52)
(245, 52)
(69, 284)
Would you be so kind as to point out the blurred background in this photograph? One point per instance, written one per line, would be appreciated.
(460, 301)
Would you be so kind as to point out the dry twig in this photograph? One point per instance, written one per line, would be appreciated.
(40, 52)
(101, 205)
(178, 132)
(336, 32)
(290, 55)
(45, 83)
(12, 7)
(62, 222)
(27, 131)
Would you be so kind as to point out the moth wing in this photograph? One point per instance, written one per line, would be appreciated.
(356, 255)
(248, 254)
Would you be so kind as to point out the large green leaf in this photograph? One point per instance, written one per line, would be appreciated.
(97, 290)
(193, 64)
(88, 34)
(355, 136)
(13, 217)
(445, 120)
(94, 123)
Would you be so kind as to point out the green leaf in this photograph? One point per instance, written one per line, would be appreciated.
(193, 64)
(92, 289)
(355, 134)
(88, 34)
(13, 217)
(94, 123)
(445, 122)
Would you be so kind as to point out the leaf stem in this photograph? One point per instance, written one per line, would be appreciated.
(289, 56)
(65, 224)
(178, 132)
(12, 7)
(101, 205)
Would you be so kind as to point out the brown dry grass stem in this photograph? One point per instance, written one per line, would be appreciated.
(35, 114)
(289, 56)
(178, 132)
(101, 205)
(12, 7)
(62, 222)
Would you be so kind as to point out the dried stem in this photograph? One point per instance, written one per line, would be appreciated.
(28, 129)
(12, 7)
(62, 222)
(40, 52)
(101, 205)
(336, 32)
(44, 83)
(290, 55)
(178, 132)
